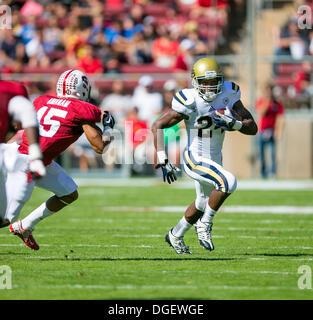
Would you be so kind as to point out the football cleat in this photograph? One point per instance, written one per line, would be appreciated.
(24, 234)
(177, 243)
(203, 230)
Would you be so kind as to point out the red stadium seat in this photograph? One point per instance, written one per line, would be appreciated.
(114, 11)
(156, 9)
(288, 68)
(284, 81)
(144, 68)
(51, 69)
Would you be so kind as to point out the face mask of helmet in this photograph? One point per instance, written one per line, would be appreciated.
(208, 88)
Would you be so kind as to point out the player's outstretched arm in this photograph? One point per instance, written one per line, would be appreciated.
(249, 126)
(94, 136)
(167, 120)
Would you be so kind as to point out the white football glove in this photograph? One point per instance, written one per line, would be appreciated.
(36, 166)
(37, 169)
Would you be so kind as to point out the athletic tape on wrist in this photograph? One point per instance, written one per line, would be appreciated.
(34, 151)
(237, 125)
(161, 156)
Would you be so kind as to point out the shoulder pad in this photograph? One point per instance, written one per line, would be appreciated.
(184, 97)
(180, 97)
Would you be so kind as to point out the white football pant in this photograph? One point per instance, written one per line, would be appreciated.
(19, 189)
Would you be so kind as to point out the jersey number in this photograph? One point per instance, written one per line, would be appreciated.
(46, 120)
(203, 123)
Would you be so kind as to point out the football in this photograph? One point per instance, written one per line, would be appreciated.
(230, 112)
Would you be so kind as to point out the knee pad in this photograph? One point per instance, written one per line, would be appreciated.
(69, 198)
(200, 203)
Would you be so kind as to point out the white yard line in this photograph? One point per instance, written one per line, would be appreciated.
(230, 209)
(143, 246)
(216, 236)
(185, 183)
(155, 287)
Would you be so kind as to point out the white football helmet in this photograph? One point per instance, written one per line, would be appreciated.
(73, 84)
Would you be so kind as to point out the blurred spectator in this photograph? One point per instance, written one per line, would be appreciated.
(95, 37)
(117, 102)
(9, 43)
(136, 133)
(52, 35)
(290, 41)
(302, 79)
(113, 32)
(130, 29)
(184, 58)
(35, 51)
(213, 9)
(137, 14)
(136, 127)
(164, 48)
(89, 63)
(27, 31)
(270, 113)
(148, 102)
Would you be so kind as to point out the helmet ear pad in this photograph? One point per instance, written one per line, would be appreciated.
(73, 84)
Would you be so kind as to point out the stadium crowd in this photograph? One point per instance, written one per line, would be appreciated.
(97, 36)
(294, 80)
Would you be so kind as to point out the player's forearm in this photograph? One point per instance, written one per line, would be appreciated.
(249, 127)
(32, 135)
(158, 136)
(99, 144)
(97, 139)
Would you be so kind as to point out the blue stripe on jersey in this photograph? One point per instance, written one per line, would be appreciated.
(182, 94)
(178, 100)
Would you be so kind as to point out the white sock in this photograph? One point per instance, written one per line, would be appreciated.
(181, 228)
(37, 215)
(208, 215)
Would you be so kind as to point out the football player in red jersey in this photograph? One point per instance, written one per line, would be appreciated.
(62, 120)
(16, 109)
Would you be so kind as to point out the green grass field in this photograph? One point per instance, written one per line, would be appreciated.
(89, 252)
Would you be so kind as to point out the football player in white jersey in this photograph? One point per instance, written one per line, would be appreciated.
(210, 108)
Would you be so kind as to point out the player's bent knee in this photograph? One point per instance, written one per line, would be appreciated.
(200, 203)
(69, 198)
(232, 183)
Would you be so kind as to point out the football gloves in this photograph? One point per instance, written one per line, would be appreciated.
(36, 167)
(108, 120)
(226, 122)
(169, 171)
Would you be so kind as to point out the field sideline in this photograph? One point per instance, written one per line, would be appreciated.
(95, 249)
